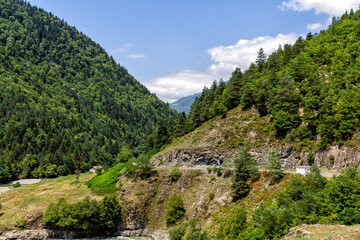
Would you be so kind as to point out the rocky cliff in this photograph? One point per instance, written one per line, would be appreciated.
(333, 157)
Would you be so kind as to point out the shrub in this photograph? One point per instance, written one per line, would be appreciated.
(175, 210)
(350, 216)
(211, 196)
(21, 224)
(86, 215)
(175, 174)
(209, 170)
(16, 185)
(311, 159)
(105, 182)
(178, 232)
(219, 172)
(187, 231)
(274, 221)
(332, 159)
(234, 225)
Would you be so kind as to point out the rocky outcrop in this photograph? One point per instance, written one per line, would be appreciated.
(334, 157)
(25, 235)
(191, 157)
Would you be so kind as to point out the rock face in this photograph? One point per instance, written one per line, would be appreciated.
(334, 157)
(25, 235)
(191, 157)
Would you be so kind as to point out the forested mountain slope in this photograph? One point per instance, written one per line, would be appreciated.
(306, 96)
(62, 97)
(309, 90)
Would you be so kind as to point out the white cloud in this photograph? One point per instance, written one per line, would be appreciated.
(226, 58)
(136, 56)
(244, 51)
(173, 86)
(314, 26)
(331, 7)
(123, 48)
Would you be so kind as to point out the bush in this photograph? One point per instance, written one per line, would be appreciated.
(274, 221)
(350, 216)
(311, 159)
(209, 170)
(187, 231)
(211, 196)
(105, 182)
(178, 232)
(234, 225)
(175, 174)
(16, 185)
(86, 215)
(219, 172)
(175, 210)
(21, 224)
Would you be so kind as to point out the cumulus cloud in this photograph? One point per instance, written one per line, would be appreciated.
(314, 26)
(226, 58)
(173, 86)
(331, 7)
(136, 56)
(244, 52)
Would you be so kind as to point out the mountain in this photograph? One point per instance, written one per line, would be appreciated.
(64, 99)
(309, 90)
(183, 104)
(301, 100)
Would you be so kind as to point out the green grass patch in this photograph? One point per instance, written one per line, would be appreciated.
(105, 182)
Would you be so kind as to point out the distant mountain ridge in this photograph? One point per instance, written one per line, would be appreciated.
(184, 103)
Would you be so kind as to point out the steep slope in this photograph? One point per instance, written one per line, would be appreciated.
(308, 95)
(184, 103)
(62, 97)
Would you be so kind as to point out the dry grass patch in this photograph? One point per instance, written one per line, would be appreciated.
(319, 231)
(35, 198)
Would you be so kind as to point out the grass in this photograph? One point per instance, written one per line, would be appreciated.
(319, 231)
(227, 133)
(22, 202)
(106, 181)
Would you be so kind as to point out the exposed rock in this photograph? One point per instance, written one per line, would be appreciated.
(25, 235)
(190, 157)
(334, 157)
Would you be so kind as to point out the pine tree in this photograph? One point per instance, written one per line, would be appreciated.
(245, 169)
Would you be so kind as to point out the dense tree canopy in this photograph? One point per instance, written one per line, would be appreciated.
(63, 97)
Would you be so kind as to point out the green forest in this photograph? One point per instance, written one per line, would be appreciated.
(63, 99)
(309, 90)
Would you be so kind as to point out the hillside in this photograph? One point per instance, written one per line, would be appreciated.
(62, 97)
(309, 90)
(184, 103)
(300, 99)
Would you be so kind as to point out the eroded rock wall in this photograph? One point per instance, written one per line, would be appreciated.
(334, 157)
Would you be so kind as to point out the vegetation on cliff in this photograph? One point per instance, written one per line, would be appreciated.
(63, 98)
(308, 89)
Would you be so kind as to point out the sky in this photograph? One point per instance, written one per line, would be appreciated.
(176, 47)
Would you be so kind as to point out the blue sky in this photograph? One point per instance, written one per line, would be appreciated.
(175, 47)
